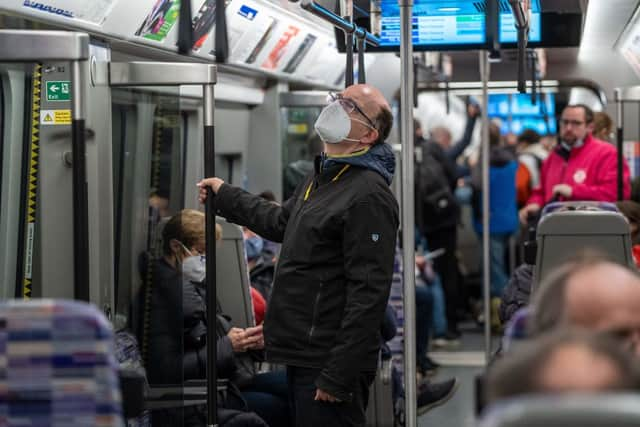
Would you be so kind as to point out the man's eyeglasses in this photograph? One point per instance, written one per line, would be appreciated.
(349, 106)
(574, 123)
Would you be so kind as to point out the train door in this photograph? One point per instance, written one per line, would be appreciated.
(43, 220)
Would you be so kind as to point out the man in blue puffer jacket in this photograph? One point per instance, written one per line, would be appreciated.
(503, 211)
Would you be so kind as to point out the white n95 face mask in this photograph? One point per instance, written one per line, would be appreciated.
(333, 124)
(194, 268)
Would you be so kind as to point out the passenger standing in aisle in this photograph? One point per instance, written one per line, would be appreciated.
(531, 154)
(338, 235)
(581, 167)
(437, 210)
(503, 212)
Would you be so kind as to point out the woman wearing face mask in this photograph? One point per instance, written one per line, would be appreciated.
(177, 351)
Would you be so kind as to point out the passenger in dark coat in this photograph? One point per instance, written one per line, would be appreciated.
(338, 235)
(177, 352)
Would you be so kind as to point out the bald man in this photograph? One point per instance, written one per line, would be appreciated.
(338, 235)
(563, 362)
(594, 294)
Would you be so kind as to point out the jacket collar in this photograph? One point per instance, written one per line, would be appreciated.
(378, 158)
(566, 152)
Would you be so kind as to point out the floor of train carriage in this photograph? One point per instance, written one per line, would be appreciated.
(464, 362)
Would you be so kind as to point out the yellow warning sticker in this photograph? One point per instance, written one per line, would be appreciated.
(55, 117)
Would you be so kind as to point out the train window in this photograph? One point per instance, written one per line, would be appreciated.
(148, 163)
(300, 145)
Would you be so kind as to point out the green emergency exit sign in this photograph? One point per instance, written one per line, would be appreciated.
(59, 91)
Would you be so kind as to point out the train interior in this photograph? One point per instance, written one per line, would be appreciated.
(144, 106)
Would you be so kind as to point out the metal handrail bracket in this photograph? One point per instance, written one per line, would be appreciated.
(161, 74)
(26, 45)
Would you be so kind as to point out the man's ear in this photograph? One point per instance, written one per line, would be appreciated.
(370, 137)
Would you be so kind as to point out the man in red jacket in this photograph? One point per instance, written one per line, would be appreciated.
(580, 168)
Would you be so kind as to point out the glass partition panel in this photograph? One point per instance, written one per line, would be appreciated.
(300, 145)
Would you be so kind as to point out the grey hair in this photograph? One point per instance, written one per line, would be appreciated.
(549, 302)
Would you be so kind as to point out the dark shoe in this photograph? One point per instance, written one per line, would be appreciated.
(431, 363)
(453, 335)
(427, 367)
(432, 395)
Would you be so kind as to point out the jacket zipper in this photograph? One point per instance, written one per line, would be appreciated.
(316, 304)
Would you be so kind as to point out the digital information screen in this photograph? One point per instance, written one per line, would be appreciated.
(509, 33)
(435, 23)
(455, 24)
(517, 113)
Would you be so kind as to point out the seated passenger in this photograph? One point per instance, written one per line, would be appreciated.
(261, 267)
(270, 250)
(563, 362)
(179, 276)
(591, 293)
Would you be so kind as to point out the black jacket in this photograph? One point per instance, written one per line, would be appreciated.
(177, 351)
(164, 331)
(436, 207)
(334, 273)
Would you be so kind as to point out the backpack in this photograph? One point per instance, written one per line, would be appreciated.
(436, 205)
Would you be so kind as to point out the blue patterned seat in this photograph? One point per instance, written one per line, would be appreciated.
(57, 366)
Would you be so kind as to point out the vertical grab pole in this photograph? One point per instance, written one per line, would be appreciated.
(362, 78)
(79, 187)
(486, 277)
(534, 79)
(347, 14)
(620, 142)
(408, 220)
(210, 236)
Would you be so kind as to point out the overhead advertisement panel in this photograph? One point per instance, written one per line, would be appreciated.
(250, 30)
(203, 23)
(94, 11)
(263, 37)
(160, 20)
(324, 64)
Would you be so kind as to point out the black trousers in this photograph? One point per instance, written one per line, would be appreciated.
(447, 267)
(310, 413)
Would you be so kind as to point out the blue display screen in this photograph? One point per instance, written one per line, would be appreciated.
(455, 23)
(435, 23)
(499, 105)
(521, 105)
(517, 113)
(509, 33)
(536, 123)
